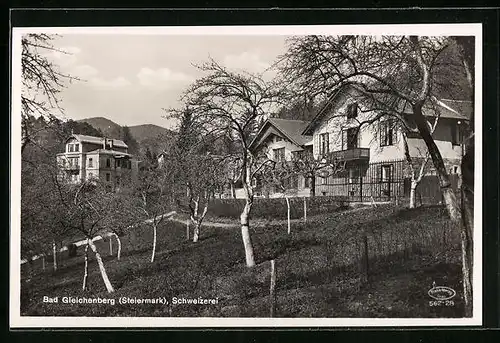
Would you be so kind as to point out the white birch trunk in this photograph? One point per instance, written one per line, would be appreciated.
(54, 255)
(187, 230)
(288, 213)
(110, 246)
(104, 275)
(413, 194)
(154, 244)
(86, 267)
(245, 234)
(196, 232)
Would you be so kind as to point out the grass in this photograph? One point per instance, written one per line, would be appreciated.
(320, 269)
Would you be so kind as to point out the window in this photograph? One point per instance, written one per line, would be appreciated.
(386, 173)
(278, 139)
(352, 110)
(456, 134)
(91, 163)
(70, 147)
(77, 147)
(350, 138)
(108, 176)
(279, 154)
(388, 133)
(118, 163)
(108, 163)
(324, 143)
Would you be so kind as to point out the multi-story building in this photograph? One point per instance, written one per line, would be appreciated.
(88, 157)
(373, 154)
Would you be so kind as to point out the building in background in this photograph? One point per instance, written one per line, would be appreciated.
(101, 158)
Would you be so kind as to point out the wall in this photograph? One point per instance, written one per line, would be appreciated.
(270, 144)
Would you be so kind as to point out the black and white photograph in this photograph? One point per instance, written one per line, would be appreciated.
(242, 176)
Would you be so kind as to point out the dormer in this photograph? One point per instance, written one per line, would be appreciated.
(73, 145)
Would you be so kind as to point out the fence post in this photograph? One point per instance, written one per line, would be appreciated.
(272, 293)
(365, 258)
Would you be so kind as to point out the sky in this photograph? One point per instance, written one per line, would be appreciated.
(129, 79)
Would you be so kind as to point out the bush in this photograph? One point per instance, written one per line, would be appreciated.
(276, 208)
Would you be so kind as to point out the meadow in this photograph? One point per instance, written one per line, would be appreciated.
(359, 262)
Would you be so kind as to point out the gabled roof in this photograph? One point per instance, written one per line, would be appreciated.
(452, 109)
(98, 140)
(290, 129)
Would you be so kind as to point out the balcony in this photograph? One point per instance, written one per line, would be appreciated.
(354, 154)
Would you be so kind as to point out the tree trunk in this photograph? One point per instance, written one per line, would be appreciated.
(449, 197)
(288, 213)
(233, 191)
(110, 246)
(187, 230)
(413, 194)
(104, 275)
(54, 255)
(154, 244)
(245, 234)
(196, 232)
(467, 205)
(86, 267)
(312, 191)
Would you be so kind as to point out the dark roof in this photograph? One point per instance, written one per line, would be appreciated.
(291, 129)
(98, 140)
(459, 109)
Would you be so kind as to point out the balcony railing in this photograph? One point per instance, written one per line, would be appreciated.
(352, 154)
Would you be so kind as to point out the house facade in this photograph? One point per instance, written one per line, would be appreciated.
(368, 147)
(375, 165)
(283, 140)
(88, 157)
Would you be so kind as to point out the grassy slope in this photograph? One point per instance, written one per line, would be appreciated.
(319, 273)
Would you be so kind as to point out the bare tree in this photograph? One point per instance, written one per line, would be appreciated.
(42, 82)
(466, 47)
(416, 175)
(231, 104)
(150, 199)
(394, 74)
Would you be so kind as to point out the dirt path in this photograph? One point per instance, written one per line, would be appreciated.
(260, 222)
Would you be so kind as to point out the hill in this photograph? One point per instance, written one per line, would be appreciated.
(151, 136)
(146, 131)
(108, 127)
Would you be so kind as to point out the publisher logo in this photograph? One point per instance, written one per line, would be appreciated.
(442, 293)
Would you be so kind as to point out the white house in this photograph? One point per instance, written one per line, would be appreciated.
(87, 157)
(375, 166)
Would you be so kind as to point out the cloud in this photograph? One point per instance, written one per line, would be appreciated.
(162, 78)
(83, 71)
(247, 61)
(116, 83)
